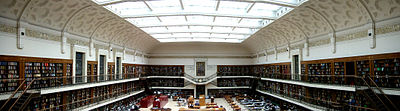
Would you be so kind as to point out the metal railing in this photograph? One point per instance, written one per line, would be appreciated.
(236, 73)
(51, 82)
(342, 80)
(93, 100)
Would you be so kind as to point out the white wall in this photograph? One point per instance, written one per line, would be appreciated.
(385, 43)
(187, 54)
(35, 47)
(199, 49)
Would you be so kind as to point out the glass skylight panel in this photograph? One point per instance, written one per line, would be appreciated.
(155, 29)
(226, 19)
(253, 22)
(199, 20)
(129, 8)
(172, 19)
(144, 21)
(199, 5)
(164, 6)
(233, 7)
(243, 30)
(284, 1)
(222, 29)
(262, 9)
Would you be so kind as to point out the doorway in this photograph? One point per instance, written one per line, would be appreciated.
(200, 90)
(296, 67)
(350, 70)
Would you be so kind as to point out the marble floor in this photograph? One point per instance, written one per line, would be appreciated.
(174, 105)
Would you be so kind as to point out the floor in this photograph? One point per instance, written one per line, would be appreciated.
(174, 105)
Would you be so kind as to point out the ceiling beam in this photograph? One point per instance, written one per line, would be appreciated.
(148, 6)
(252, 5)
(152, 14)
(216, 8)
(284, 4)
(194, 24)
(180, 1)
(200, 37)
(151, 33)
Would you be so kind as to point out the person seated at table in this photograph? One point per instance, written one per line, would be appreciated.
(191, 105)
(190, 100)
(212, 99)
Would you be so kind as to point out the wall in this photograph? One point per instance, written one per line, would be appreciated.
(34, 47)
(385, 43)
(188, 53)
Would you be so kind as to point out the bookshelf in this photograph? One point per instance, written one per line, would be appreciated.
(68, 74)
(8, 75)
(33, 71)
(92, 71)
(339, 70)
(318, 71)
(220, 93)
(111, 70)
(224, 82)
(239, 70)
(130, 71)
(386, 72)
(363, 68)
(167, 82)
(89, 72)
(322, 97)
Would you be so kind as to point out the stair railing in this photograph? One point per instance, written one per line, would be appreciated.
(12, 95)
(186, 84)
(380, 90)
(27, 87)
(189, 77)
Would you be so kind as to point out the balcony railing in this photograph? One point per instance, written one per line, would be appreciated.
(51, 82)
(316, 102)
(342, 80)
(97, 99)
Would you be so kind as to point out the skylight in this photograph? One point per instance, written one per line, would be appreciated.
(200, 20)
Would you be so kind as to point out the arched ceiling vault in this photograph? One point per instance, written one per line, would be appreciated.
(318, 17)
(80, 17)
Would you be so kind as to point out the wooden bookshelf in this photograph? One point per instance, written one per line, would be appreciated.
(111, 70)
(9, 75)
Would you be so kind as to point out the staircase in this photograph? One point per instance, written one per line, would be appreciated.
(196, 80)
(380, 101)
(22, 100)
